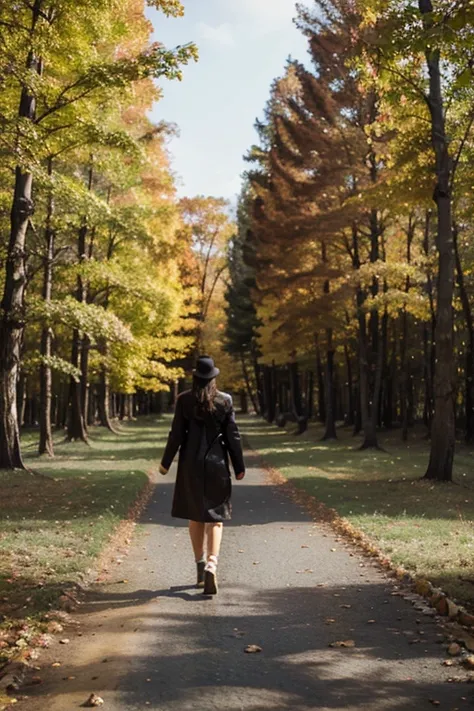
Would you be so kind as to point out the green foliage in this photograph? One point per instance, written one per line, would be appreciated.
(34, 360)
(106, 222)
(93, 320)
(242, 322)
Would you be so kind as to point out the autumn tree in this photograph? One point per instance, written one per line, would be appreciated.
(242, 321)
(207, 229)
(52, 79)
(429, 54)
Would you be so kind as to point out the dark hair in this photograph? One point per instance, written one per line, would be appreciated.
(204, 392)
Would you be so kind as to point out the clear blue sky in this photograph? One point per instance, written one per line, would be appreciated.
(243, 46)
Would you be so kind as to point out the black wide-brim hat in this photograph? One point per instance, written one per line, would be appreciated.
(205, 368)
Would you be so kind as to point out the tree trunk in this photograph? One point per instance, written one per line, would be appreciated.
(248, 385)
(21, 399)
(321, 390)
(440, 467)
(371, 360)
(370, 373)
(368, 400)
(404, 366)
(389, 408)
(295, 390)
(358, 410)
(330, 429)
(86, 395)
(367, 407)
(369, 393)
(259, 384)
(330, 402)
(85, 388)
(310, 396)
(350, 416)
(75, 426)
(469, 371)
(77, 392)
(91, 407)
(103, 400)
(46, 378)
(113, 404)
(12, 305)
(269, 399)
(64, 406)
(429, 347)
(121, 407)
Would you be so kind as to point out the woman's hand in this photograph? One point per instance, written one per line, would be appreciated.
(240, 476)
(163, 470)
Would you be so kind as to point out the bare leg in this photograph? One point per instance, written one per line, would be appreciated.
(197, 532)
(214, 538)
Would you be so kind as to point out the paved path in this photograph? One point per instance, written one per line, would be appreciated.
(155, 642)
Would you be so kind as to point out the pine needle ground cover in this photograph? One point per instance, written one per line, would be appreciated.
(426, 528)
(56, 522)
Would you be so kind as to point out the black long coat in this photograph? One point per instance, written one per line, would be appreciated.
(203, 484)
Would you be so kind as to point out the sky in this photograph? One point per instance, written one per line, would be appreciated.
(243, 47)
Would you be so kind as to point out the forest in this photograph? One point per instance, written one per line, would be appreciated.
(351, 273)
(341, 289)
(104, 277)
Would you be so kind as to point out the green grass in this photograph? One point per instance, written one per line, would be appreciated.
(426, 528)
(55, 522)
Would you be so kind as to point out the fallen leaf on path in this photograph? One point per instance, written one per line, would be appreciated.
(448, 663)
(346, 607)
(330, 621)
(304, 546)
(454, 649)
(56, 664)
(64, 641)
(93, 701)
(252, 649)
(346, 643)
(333, 550)
(54, 627)
(371, 622)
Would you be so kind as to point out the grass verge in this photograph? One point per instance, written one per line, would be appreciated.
(55, 523)
(426, 528)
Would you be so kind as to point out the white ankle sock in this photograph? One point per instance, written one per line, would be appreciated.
(211, 564)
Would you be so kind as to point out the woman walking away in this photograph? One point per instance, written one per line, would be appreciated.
(205, 432)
